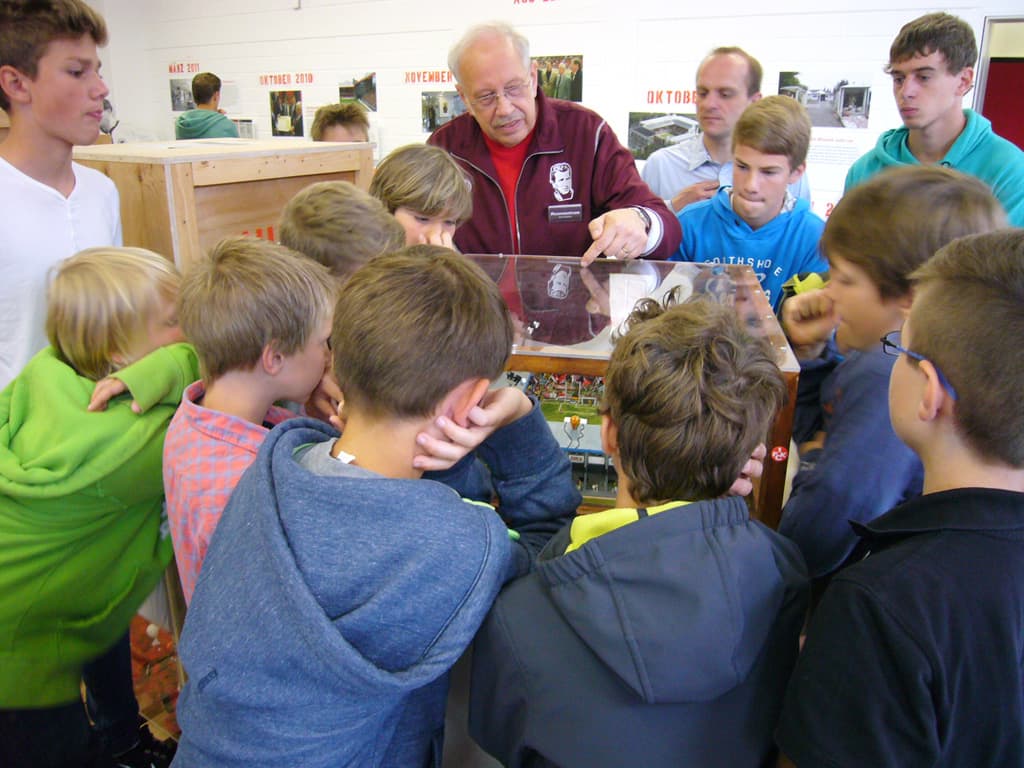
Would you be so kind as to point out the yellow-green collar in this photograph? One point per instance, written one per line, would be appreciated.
(587, 527)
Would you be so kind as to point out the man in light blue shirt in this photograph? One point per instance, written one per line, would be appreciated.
(728, 81)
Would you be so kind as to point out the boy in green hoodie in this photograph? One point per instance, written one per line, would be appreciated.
(931, 62)
(83, 537)
(207, 120)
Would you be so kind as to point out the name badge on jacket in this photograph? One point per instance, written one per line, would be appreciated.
(566, 213)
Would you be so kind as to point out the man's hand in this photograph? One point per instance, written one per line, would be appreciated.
(618, 234)
(105, 391)
(702, 190)
(751, 470)
(497, 408)
(809, 320)
(599, 302)
(326, 400)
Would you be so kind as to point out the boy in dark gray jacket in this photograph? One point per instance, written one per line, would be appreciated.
(662, 632)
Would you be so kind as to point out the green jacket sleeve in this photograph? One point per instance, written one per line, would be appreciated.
(160, 378)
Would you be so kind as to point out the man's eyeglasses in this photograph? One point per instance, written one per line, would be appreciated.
(510, 91)
(891, 346)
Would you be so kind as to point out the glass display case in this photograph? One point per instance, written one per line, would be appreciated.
(565, 318)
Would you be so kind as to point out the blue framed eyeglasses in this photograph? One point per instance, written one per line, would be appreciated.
(891, 346)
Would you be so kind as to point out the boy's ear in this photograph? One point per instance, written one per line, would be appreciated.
(13, 84)
(609, 436)
(797, 172)
(966, 76)
(460, 401)
(906, 301)
(271, 360)
(933, 396)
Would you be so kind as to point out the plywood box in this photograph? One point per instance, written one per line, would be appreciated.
(179, 198)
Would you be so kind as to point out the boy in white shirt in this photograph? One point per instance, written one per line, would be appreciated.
(51, 88)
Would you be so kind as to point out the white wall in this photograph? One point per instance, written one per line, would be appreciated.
(631, 52)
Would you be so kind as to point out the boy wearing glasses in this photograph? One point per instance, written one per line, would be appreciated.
(928, 627)
(853, 466)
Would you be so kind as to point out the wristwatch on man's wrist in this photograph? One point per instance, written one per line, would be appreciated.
(645, 217)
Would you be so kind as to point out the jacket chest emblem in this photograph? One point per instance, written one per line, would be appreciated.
(561, 181)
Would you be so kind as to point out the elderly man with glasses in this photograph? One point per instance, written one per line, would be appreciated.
(511, 138)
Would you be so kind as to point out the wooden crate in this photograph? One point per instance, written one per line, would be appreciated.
(179, 198)
(557, 334)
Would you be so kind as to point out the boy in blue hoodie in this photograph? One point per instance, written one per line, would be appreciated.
(364, 583)
(757, 221)
(932, 66)
(662, 632)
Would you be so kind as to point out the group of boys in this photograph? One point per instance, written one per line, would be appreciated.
(332, 586)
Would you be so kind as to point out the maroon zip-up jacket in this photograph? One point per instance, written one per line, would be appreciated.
(604, 178)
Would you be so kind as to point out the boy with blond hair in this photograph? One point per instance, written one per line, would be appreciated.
(259, 316)
(426, 190)
(878, 234)
(366, 581)
(757, 221)
(340, 122)
(51, 88)
(82, 531)
(913, 657)
(338, 225)
(674, 617)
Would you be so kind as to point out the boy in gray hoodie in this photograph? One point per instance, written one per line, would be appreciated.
(367, 582)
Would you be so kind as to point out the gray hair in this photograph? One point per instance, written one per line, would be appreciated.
(488, 29)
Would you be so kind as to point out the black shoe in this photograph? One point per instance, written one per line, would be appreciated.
(147, 753)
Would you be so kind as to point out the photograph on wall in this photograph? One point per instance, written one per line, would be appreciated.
(561, 77)
(286, 113)
(832, 102)
(362, 89)
(440, 107)
(650, 131)
(181, 96)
